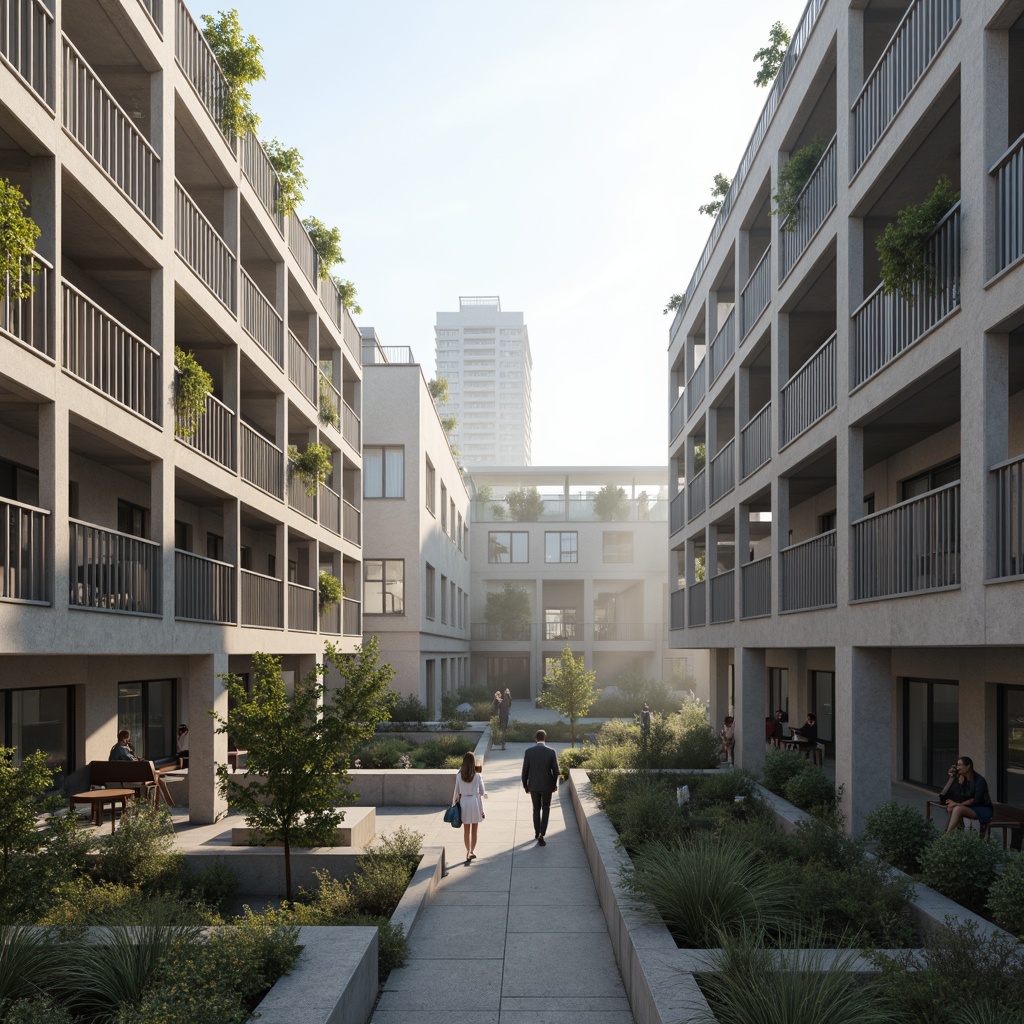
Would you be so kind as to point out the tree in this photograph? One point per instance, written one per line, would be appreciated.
(526, 505)
(570, 690)
(509, 609)
(348, 295)
(719, 191)
(794, 174)
(772, 55)
(327, 242)
(295, 781)
(438, 388)
(239, 58)
(18, 234)
(610, 503)
(288, 164)
(677, 299)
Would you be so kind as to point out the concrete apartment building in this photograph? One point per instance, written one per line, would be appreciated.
(597, 585)
(859, 515)
(416, 529)
(484, 354)
(141, 562)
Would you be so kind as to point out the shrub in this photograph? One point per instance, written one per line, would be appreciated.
(576, 758)
(617, 733)
(607, 758)
(27, 956)
(141, 854)
(962, 866)
(383, 872)
(779, 767)
(435, 753)
(697, 748)
(1006, 897)
(650, 815)
(37, 1011)
(392, 945)
(215, 886)
(810, 789)
(328, 904)
(382, 752)
(793, 175)
(409, 709)
(901, 833)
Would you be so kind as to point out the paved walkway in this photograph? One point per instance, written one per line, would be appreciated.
(518, 935)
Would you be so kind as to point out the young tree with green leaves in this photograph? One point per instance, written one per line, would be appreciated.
(570, 690)
(719, 190)
(348, 295)
(326, 241)
(611, 503)
(772, 55)
(18, 234)
(509, 610)
(295, 781)
(525, 505)
(677, 299)
(239, 57)
(287, 161)
(438, 388)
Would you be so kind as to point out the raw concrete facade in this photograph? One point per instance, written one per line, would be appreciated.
(416, 538)
(143, 560)
(846, 465)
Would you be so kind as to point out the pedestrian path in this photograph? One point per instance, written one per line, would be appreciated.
(516, 936)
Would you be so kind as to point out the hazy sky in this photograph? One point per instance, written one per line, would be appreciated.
(552, 152)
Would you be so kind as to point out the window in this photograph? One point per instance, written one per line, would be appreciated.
(823, 701)
(146, 710)
(1010, 774)
(459, 534)
(827, 522)
(618, 545)
(444, 508)
(465, 539)
(451, 602)
(431, 485)
(451, 516)
(215, 547)
(559, 623)
(460, 619)
(508, 546)
(937, 476)
(444, 599)
(132, 519)
(40, 719)
(778, 691)
(384, 586)
(384, 472)
(429, 576)
(931, 729)
(560, 547)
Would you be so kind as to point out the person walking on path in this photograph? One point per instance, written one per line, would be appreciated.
(645, 724)
(470, 793)
(540, 780)
(503, 712)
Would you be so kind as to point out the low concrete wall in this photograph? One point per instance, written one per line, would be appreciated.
(358, 829)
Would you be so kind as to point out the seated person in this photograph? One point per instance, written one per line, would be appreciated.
(779, 727)
(181, 746)
(807, 733)
(966, 795)
(123, 750)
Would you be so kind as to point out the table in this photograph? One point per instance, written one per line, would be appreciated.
(99, 798)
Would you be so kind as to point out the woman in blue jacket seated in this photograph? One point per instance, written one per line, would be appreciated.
(966, 795)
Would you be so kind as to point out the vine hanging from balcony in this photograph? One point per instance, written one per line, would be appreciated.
(794, 174)
(313, 465)
(18, 234)
(905, 262)
(329, 592)
(239, 57)
(191, 386)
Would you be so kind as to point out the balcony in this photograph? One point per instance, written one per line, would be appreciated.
(809, 574)
(330, 620)
(261, 321)
(23, 552)
(677, 416)
(260, 173)
(333, 302)
(910, 547)
(196, 60)
(96, 121)
(677, 609)
(810, 393)
(695, 388)
(298, 499)
(815, 202)
(351, 523)
(262, 604)
(103, 353)
(625, 632)
(1009, 540)
(884, 326)
(756, 442)
(722, 469)
(330, 403)
(563, 631)
(330, 509)
(696, 606)
(214, 433)
(677, 507)
(696, 501)
(1009, 175)
(757, 293)
(351, 428)
(501, 632)
(262, 463)
(723, 599)
(28, 320)
(351, 617)
(302, 249)
(203, 588)
(112, 571)
(302, 611)
(724, 345)
(914, 44)
(756, 588)
(26, 43)
(197, 242)
(303, 371)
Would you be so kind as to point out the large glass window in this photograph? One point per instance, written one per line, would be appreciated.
(508, 546)
(146, 710)
(559, 623)
(444, 599)
(384, 472)
(823, 703)
(560, 547)
(39, 719)
(618, 545)
(778, 691)
(513, 673)
(931, 730)
(384, 586)
(1010, 784)
(431, 584)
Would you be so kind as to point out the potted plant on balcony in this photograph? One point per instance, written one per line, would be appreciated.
(610, 503)
(287, 162)
(526, 505)
(509, 610)
(18, 234)
(327, 411)
(329, 591)
(903, 255)
(313, 465)
(793, 176)
(191, 386)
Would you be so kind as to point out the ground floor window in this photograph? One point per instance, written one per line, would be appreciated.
(778, 691)
(1010, 784)
(513, 673)
(431, 686)
(146, 710)
(823, 704)
(931, 730)
(40, 719)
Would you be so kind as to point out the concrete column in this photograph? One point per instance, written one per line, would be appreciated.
(849, 505)
(995, 403)
(53, 495)
(161, 505)
(780, 540)
(232, 511)
(864, 740)
(749, 711)
(207, 748)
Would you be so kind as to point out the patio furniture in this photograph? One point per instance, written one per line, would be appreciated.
(97, 799)
(1004, 816)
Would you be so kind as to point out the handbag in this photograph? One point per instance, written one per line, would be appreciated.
(454, 815)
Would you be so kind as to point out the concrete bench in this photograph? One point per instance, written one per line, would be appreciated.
(358, 829)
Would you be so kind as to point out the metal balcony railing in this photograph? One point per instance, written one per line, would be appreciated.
(724, 345)
(196, 60)
(677, 512)
(330, 509)
(501, 632)
(810, 393)
(302, 615)
(261, 321)
(23, 552)
(112, 571)
(103, 353)
(214, 433)
(1009, 175)
(351, 523)
(757, 292)
(625, 632)
(298, 499)
(330, 620)
(302, 249)
(204, 589)
(352, 338)
(809, 573)
(97, 122)
(722, 469)
(351, 428)
(696, 604)
(155, 10)
(262, 462)
(26, 43)
(351, 617)
(909, 547)
(756, 588)
(723, 596)
(756, 442)
(28, 320)
(302, 370)
(260, 173)
(563, 630)
(262, 600)
(815, 202)
(886, 325)
(917, 39)
(696, 499)
(677, 609)
(197, 242)
(330, 403)
(1009, 536)
(332, 301)
(695, 388)
(677, 415)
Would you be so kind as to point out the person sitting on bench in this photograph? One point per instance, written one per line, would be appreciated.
(123, 750)
(966, 795)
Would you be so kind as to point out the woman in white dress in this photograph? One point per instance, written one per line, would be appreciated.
(470, 792)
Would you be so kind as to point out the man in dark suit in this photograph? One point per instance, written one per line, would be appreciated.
(540, 780)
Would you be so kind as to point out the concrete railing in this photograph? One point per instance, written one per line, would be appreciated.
(816, 201)
(810, 393)
(198, 243)
(262, 462)
(1009, 175)
(26, 43)
(28, 319)
(756, 588)
(757, 292)
(261, 321)
(204, 589)
(809, 573)
(1009, 539)
(756, 441)
(111, 570)
(23, 552)
(261, 600)
(724, 346)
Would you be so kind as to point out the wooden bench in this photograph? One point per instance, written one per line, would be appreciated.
(142, 776)
(1004, 816)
